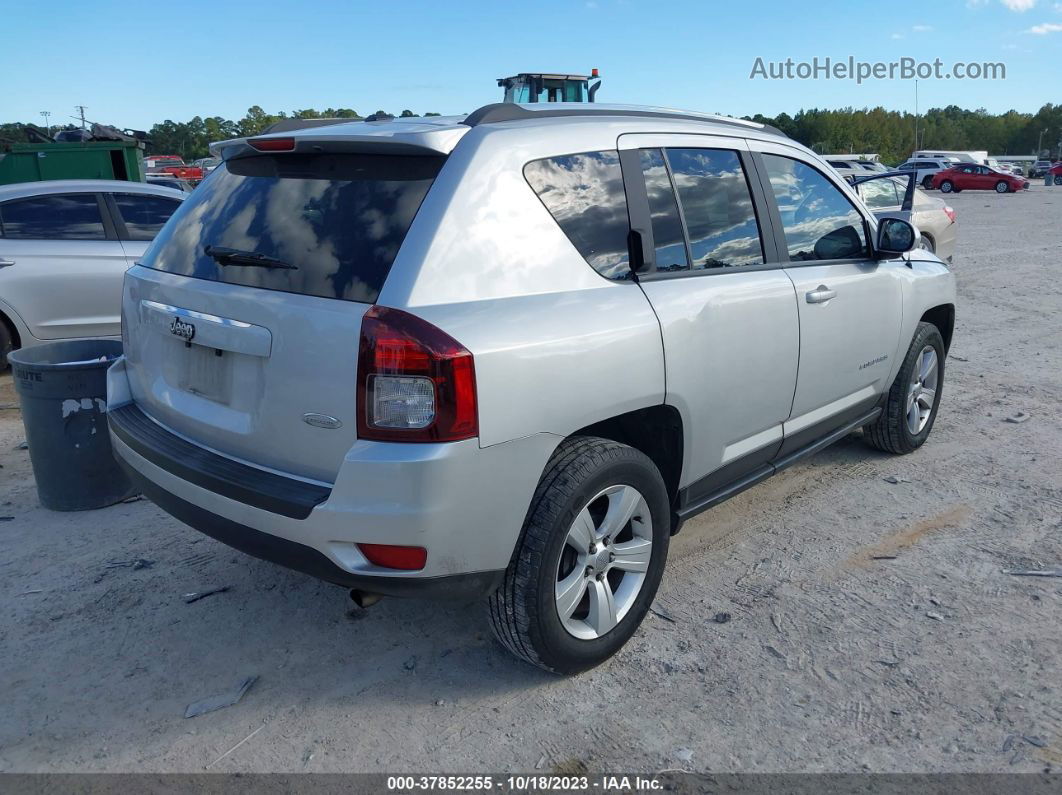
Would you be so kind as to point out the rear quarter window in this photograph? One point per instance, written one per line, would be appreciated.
(584, 194)
(337, 220)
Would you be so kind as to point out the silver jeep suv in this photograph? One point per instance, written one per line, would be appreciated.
(507, 355)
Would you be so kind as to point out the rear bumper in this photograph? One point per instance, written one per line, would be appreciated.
(308, 560)
(463, 503)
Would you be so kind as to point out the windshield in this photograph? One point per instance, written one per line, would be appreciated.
(339, 220)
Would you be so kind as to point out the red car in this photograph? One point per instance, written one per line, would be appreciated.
(971, 176)
(172, 164)
(1056, 172)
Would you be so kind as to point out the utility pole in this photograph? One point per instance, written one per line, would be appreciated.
(1040, 141)
(47, 123)
(916, 115)
(81, 112)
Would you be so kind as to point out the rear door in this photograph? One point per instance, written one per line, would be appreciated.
(138, 217)
(62, 265)
(727, 310)
(849, 303)
(257, 358)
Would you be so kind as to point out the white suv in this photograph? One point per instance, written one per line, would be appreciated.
(926, 168)
(506, 355)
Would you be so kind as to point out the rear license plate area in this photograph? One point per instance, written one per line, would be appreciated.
(206, 372)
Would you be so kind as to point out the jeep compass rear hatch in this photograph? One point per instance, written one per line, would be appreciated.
(242, 324)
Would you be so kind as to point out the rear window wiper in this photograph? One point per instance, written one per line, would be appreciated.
(235, 256)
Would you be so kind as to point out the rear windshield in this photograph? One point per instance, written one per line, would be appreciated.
(337, 221)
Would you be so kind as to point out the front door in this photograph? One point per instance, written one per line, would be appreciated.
(726, 308)
(63, 273)
(849, 304)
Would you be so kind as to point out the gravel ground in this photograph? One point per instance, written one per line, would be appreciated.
(871, 623)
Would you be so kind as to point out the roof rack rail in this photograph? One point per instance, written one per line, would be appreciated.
(508, 111)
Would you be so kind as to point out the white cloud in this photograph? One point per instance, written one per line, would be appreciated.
(921, 28)
(1044, 29)
(1019, 5)
(896, 36)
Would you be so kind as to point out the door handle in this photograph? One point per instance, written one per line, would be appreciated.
(820, 295)
(6, 263)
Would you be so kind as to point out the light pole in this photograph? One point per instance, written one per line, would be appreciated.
(1040, 140)
(47, 123)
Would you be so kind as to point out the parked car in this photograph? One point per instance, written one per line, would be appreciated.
(172, 164)
(856, 165)
(896, 195)
(970, 176)
(926, 169)
(1039, 168)
(207, 164)
(1056, 172)
(508, 355)
(64, 248)
(1016, 169)
(169, 181)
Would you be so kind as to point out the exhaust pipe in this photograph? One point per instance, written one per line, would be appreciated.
(364, 599)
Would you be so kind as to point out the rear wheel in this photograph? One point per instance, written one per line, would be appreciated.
(911, 408)
(1058, 179)
(1002, 187)
(6, 344)
(927, 182)
(926, 244)
(947, 186)
(589, 559)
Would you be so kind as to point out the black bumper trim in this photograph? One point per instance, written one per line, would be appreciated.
(256, 487)
(308, 560)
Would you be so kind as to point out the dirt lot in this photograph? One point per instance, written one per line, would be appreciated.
(872, 626)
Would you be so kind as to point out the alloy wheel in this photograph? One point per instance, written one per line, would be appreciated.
(922, 392)
(604, 562)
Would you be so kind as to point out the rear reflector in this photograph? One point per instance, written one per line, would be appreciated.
(272, 144)
(389, 556)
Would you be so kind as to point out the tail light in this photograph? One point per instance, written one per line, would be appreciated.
(948, 211)
(415, 383)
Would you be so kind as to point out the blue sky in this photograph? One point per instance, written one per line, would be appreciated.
(132, 65)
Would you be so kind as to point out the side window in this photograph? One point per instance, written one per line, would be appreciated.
(663, 209)
(584, 194)
(143, 214)
(717, 207)
(820, 222)
(74, 216)
(879, 193)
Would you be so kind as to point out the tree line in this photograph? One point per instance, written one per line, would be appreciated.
(889, 133)
(892, 133)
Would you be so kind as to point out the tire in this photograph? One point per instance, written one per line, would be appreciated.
(1058, 179)
(1002, 187)
(894, 431)
(926, 244)
(6, 345)
(927, 182)
(947, 186)
(524, 612)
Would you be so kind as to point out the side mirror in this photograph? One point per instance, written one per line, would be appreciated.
(896, 236)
